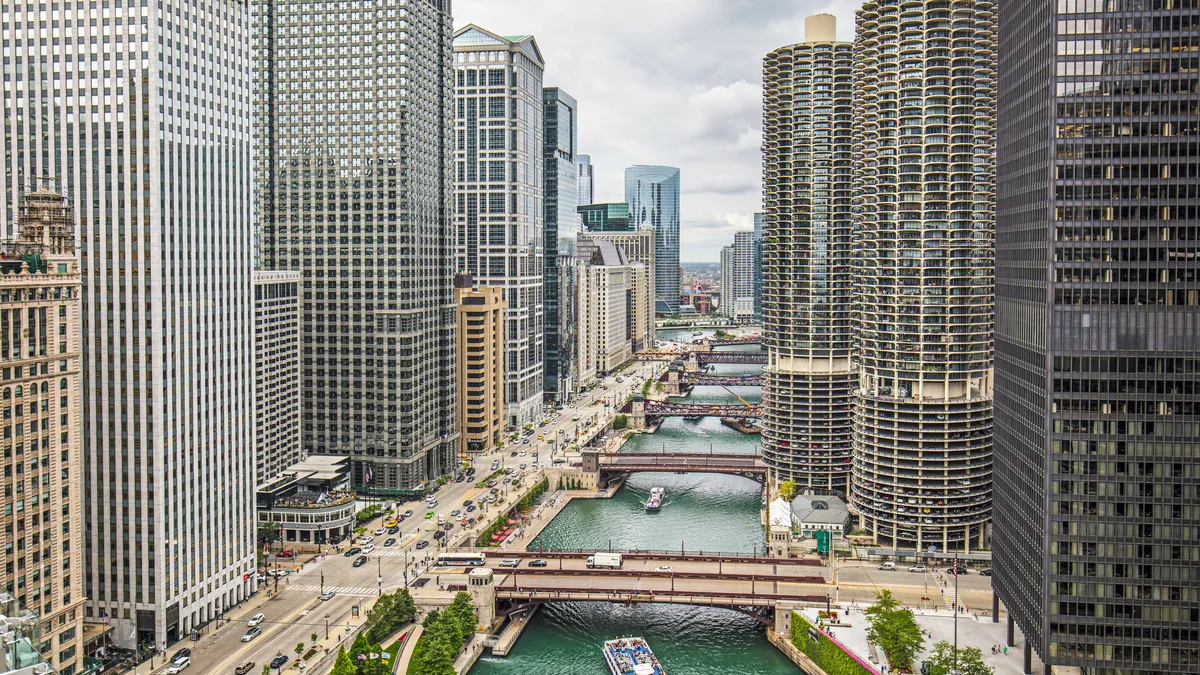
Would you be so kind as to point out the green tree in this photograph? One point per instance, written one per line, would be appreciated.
(267, 671)
(787, 490)
(344, 665)
(970, 660)
(439, 659)
(313, 638)
(895, 630)
(299, 649)
(620, 421)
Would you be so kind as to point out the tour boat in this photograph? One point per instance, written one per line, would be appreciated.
(631, 656)
(693, 418)
(654, 501)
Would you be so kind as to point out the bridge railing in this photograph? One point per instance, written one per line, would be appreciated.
(666, 554)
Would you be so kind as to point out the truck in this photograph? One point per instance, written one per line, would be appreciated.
(609, 560)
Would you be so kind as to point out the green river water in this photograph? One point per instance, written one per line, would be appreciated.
(701, 512)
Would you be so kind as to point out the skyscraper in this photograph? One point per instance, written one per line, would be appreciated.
(737, 277)
(1097, 506)
(613, 217)
(157, 164)
(760, 224)
(561, 225)
(499, 193)
(355, 109)
(652, 193)
(481, 366)
(276, 372)
(924, 134)
(807, 252)
(584, 180)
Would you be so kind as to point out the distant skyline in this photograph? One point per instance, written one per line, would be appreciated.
(676, 88)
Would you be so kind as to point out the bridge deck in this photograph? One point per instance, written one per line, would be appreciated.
(724, 558)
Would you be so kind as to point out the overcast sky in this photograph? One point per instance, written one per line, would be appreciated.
(674, 82)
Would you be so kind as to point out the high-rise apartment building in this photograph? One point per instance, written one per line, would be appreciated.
(499, 194)
(807, 252)
(760, 224)
(157, 164)
(481, 366)
(276, 373)
(584, 180)
(1097, 499)
(609, 290)
(561, 224)
(924, 137)
(354, 109)
(737, 277)
(41, 396)
(634, 247)
(652, 193)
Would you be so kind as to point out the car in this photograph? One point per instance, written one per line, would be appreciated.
(285, 554)
(408, 513)
(368, 548)
(428, 515)
(448, 526)
(467, 502)
(439, 534)
(393, 529)
(513, 454)
(510, 562)
(534, 455)
(507, 480)
(257, 619)
(422, 544)
(537, 563)
(459, 479)
(251, 634)
(522, 467)
(524, 452)
(663, 568)
(244, 669)
(262, 576)
(353, 551)
(179, 666)
(491, 483)
(917, 568)
(525, 440)
(279, 661)
(389, 541)
(456, 512)
(327, 595)
(181, 654)
(363, 541)
(380, 531)
(470, 508)
(987, 572)
(360, 561)
(494, 490)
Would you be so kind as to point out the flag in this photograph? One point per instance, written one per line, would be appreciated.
(367, 475)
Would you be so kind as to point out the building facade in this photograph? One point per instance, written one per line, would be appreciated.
(634, 247)
(276, 372)
(807, 259)
(760, 224)
(158, 169)
(481, 342)
(584, 180)
(1097, 506)
(499, 195)
(561, 224)
(611, 217)
(737, 278)
(652, 193)
(608, 307)
(924, 141)
(354, 161)
(308, 502)
(42, 405)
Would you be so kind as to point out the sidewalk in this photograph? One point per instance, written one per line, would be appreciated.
(470, 653)
(406, 655)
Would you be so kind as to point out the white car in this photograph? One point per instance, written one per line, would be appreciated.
(510, 562)
(380, 532)
(663, 568)
(368, 548)
(179, 665)
(257, 619)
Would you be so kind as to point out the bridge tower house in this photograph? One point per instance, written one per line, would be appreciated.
(692, 363)
(704, 346)
(481, 585)
(637, 412)
(673, 378)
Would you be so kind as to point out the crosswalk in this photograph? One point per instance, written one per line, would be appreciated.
(340, 590)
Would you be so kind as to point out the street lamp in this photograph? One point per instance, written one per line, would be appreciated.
(326, 626)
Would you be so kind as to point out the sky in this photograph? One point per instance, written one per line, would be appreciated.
(672, 82)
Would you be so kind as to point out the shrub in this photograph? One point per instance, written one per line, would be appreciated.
(830, 657)
(620, 421)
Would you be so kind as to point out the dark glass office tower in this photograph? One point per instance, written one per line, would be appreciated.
(560, 188)
(1097, 398)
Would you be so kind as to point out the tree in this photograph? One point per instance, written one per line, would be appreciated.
(299, 649)
(267, 671)
(970, 660)
(895, 630)
(313, 638)
(344, 665)
(787, 490)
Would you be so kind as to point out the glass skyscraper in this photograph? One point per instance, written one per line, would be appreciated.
(355, 111)
(561, 224)
(1097, 516)
(652, 193)
(142, 114)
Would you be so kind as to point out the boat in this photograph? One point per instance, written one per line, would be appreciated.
(654, 501)
(693, 418)
(631, 656)
(697, 333)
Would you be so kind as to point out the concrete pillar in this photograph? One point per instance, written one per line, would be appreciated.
(481, 586)
(1028, 657)
(783, 617)
(1011, 631)
(967, 540)
(995, 607)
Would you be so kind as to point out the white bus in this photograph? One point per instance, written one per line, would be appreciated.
(461, 559)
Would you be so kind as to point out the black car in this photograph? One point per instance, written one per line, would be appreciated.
(514, 454)
(467, 502)
(360, 561)
(393, 529)
(180, 654)
(537, 563)
(470, 508)
(422, 544)
(353, 550)
(279, 661)
(985, 573)
(390, 541)
(448, 526)
(439, 534)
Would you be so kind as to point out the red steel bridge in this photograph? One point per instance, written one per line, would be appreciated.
(704, 358)
(671, 409)
(704, 379)
(737, 464)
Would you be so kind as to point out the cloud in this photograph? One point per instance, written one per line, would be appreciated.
(674, 82)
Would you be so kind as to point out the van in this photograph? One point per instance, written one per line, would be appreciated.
(888, 566)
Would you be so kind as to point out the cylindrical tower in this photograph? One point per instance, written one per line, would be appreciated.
(807, 286)
(924, 133)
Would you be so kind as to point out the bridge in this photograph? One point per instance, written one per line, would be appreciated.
(748, 340)
(751, 585)
(748, 465)
(679, 382)
(699, 359)
(671, 409)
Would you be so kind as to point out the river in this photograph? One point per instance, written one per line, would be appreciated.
(701, 512)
